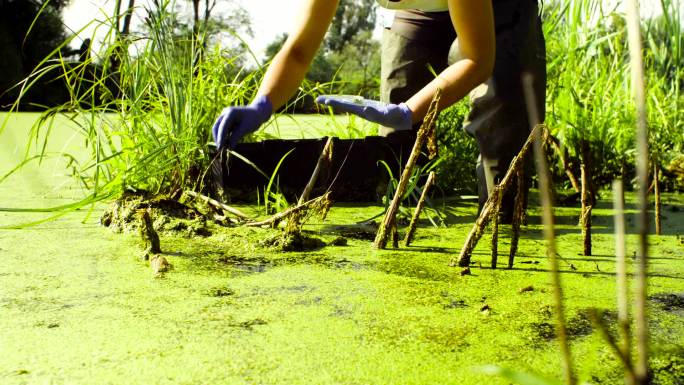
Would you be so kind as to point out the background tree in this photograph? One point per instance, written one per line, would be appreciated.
(22, 51)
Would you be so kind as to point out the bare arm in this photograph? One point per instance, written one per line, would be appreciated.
(289, 66)
(474, 23)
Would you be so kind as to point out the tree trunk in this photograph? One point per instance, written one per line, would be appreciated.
(585, 216)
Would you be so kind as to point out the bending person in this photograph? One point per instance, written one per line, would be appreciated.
(457, 38)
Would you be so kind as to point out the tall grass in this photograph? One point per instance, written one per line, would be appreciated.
(589, 86)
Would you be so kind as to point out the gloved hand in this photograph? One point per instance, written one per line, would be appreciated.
(396, 116)
(236, 122)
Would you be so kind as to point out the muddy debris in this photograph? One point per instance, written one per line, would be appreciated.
(160, 265)
(339, 241)
(526, 289)
(220, 292)
(669, 301)
(249, 324)
(294, 242)
(123, 216)
(578, 326)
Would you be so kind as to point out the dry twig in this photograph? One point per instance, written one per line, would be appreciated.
(489, 208)
(419, 207)
(219, 205)
(385, 229)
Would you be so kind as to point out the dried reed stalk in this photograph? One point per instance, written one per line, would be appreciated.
(656, 192)
(419, 207)
(219, 205)
(587, 201)
(639, 88)
(390, 216)
(495, 227)
(624, 347)
(322, 159)
(564, 160)
(545, 192)
(518, 212)
(488, 209)
(275, 219)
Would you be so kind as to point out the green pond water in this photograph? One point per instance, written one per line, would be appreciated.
(78, 306)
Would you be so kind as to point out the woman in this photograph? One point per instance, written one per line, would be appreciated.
(423, 36)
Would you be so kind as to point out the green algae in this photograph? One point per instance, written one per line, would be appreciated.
(82, 308)
(78, 306)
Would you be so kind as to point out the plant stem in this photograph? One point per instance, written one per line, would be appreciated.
(585, 216)
(564, 160)
(419, 207)
(390, 216)
(220, 205)
(325, 155)
(621, 274)
(273, 220)
(545, 189)
(638, 86)
(488, 209)
(518, 212)
(656, 192)
(495, 228)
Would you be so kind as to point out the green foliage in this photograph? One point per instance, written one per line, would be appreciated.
(29, 32)
(352, 18)
(151, 132)
(458, 152)
(589, 95)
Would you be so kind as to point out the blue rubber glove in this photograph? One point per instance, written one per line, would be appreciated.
(236, 122)
(396, 116)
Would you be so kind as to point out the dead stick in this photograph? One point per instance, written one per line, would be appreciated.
(395, 235)
(626, 360)
(656, 190)
(621, 274)
(317, 170)
(585, 218)
(518, 212)
(548, 221)
(482, 220)
(639, 88)
(419, 207)
(385, 227)
(566, 164)
(495, 228)
(220, 205)
(284, 214)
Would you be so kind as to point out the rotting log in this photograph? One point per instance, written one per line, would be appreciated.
(324, 157)
(488, 209)
(385, 229)
(518, 212)
(419, 207)
(219, 205)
